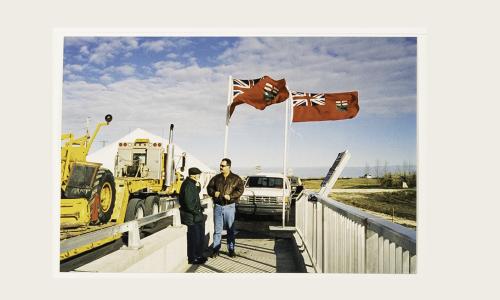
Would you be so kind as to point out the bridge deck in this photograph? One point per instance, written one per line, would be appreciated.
(256, 252)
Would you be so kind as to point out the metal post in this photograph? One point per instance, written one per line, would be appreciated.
(176, 217)
(284, 159)
(134, 236)
(229, 100)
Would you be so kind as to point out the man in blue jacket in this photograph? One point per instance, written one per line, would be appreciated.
(192, 216)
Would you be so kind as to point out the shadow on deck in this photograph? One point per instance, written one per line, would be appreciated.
(257, 251)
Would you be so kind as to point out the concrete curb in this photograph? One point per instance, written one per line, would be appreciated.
(162, 252)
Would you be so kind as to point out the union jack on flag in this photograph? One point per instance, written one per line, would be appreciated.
(242, 85)
(307, 99)
(342, 105)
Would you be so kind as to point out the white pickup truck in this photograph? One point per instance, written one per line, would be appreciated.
(263, 194)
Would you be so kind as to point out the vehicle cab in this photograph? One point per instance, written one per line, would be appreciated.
(263, 194)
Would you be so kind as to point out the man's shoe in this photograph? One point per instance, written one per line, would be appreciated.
(197, 261)
(232, 254)
(214, 254)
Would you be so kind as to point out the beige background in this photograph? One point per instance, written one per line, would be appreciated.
(458, 135)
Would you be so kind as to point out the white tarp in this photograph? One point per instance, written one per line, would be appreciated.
(106, 155)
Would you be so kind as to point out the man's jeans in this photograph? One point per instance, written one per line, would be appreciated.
(224, 217)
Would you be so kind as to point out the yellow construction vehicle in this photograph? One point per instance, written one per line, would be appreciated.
(144, 173)
(87, 190)
(147, 172)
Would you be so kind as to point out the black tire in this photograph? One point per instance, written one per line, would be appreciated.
(152, 205)
(134, 205)
(104, 186)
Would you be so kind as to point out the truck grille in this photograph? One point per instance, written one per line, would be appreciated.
(263, 199)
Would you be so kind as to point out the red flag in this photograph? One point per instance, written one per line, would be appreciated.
(259, 93)
(324, 107)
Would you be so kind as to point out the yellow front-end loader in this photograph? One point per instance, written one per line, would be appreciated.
(87, 190)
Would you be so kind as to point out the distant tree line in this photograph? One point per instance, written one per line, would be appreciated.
(394, 179)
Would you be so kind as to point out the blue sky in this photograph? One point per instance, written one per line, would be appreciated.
(150, 82)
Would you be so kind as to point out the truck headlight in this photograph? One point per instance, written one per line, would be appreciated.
(244, 198)
(279, 199)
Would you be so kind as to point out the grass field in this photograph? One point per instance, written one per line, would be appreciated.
(399, 206)
(351, 183)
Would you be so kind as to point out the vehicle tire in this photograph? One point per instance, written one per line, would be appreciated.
(135, 209)
(152, 205)
(104, 196)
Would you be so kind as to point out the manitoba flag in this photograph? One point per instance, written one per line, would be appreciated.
(309, 107)
(259, 93)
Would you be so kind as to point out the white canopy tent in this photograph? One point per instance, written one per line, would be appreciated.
(106, 155)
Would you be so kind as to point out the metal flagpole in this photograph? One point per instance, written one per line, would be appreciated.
(229, 100)
(284, 158)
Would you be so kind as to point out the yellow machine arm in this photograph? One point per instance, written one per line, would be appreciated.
(76, 149)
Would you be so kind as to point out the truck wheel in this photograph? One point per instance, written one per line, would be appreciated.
(135, 209)
(152, 205)
(103, 197)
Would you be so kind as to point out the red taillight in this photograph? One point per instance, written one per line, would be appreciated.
(120, 144)
(159, 144)
(154, 144)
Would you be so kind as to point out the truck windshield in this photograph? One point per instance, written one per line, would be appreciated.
(265, 182)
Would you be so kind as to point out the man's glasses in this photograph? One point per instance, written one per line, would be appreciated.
(222, 166)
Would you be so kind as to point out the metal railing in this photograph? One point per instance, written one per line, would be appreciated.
(339, 238)
(133, 227)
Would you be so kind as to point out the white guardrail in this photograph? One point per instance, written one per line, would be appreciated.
(132, 227)
(339, 238)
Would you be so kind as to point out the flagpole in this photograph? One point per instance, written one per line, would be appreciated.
(284, 158)
(229, 98)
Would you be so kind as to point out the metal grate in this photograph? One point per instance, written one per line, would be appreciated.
(264, 199)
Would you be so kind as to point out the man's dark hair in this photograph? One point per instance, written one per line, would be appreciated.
(227, 160)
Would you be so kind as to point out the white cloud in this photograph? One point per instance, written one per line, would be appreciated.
(74, 77)
(108, 49)
(151, 103)
(106, 78)
(194, 97)
(84, 50)
(70, 68)
(168, 64)
(126, 69)
(382, 69)
(80, 41)
(156, 46)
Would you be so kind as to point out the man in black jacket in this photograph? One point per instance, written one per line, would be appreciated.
(192, 216)
(225, 189)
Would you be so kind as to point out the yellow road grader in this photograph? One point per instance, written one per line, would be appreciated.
(92, 198)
